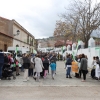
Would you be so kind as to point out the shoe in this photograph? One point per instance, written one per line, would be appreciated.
(18, 74)
(53, 78)
(83, 80)
(66, 76)
(34, 78)
(70, 77)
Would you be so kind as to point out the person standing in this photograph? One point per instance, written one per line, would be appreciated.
(31, 68)
(97, 69)
(26, 65)
(68, 65)
(21, 62)
(17, 67)
(46, 66)
(54, 60)
(83, 67)
(38, 66)
(53, 68)
(1, 63)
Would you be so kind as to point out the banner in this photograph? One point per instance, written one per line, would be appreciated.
(74, 67)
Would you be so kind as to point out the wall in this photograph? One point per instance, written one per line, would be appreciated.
(5, 40)
(6, 26)
(6, 33)
(22, 38)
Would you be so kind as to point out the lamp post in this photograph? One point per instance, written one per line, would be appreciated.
(18, 32)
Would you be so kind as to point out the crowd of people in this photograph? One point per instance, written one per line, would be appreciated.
(34, 65)
(37, 65)
(79, 65)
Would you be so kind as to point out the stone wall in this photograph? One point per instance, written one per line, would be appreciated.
(6, 26)
(5, 42)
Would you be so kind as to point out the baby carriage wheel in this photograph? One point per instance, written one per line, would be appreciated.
(9, 78)
(14, 78)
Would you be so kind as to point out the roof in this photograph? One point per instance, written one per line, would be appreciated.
(59, 43)
(68, 42)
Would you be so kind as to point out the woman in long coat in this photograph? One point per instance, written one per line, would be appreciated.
(83, 67)
(38, 66)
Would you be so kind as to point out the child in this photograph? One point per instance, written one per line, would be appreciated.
(17, 67)
(46, 66)
(53, 69)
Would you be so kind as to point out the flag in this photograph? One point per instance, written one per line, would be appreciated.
(16, 50)
(73, 54)
(34, 51)
(63, 49)
(78, 47)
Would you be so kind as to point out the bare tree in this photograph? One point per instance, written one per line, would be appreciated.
(84, 18)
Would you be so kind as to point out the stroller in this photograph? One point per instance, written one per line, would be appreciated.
(7, 72)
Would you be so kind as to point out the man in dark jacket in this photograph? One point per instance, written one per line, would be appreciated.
(26, 65)
(68, 65)
(83, 66)
(1, 63)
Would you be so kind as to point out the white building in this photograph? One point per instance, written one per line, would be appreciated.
(23, 38)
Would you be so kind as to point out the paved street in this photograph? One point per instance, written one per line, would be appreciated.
(59, 89)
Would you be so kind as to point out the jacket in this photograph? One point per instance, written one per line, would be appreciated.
(26, 62)
(1, 58)
(46, 64)
(38, 64)
(83, 65)
(53, 66)
(69, 61)
(54, 59)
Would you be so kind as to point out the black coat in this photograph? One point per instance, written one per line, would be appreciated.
(26, 62)
(1, 58)
(46, 64)
(69, 61)
(54, 59)
(6, 61)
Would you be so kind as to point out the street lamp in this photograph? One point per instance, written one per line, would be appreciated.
(18, 32)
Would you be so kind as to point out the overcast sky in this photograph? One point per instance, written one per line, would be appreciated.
(37, 16)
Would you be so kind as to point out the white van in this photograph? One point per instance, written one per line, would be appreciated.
(18, 50)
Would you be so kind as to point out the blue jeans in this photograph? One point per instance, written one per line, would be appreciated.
(68, 71)
(1, 66)
(30, 72)
(22, 69)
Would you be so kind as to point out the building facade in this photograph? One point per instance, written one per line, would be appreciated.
(9, 35)
(6, 33)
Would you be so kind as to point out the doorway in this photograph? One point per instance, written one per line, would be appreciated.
(5, 47)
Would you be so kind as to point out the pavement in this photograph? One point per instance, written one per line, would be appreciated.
(61, 88)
